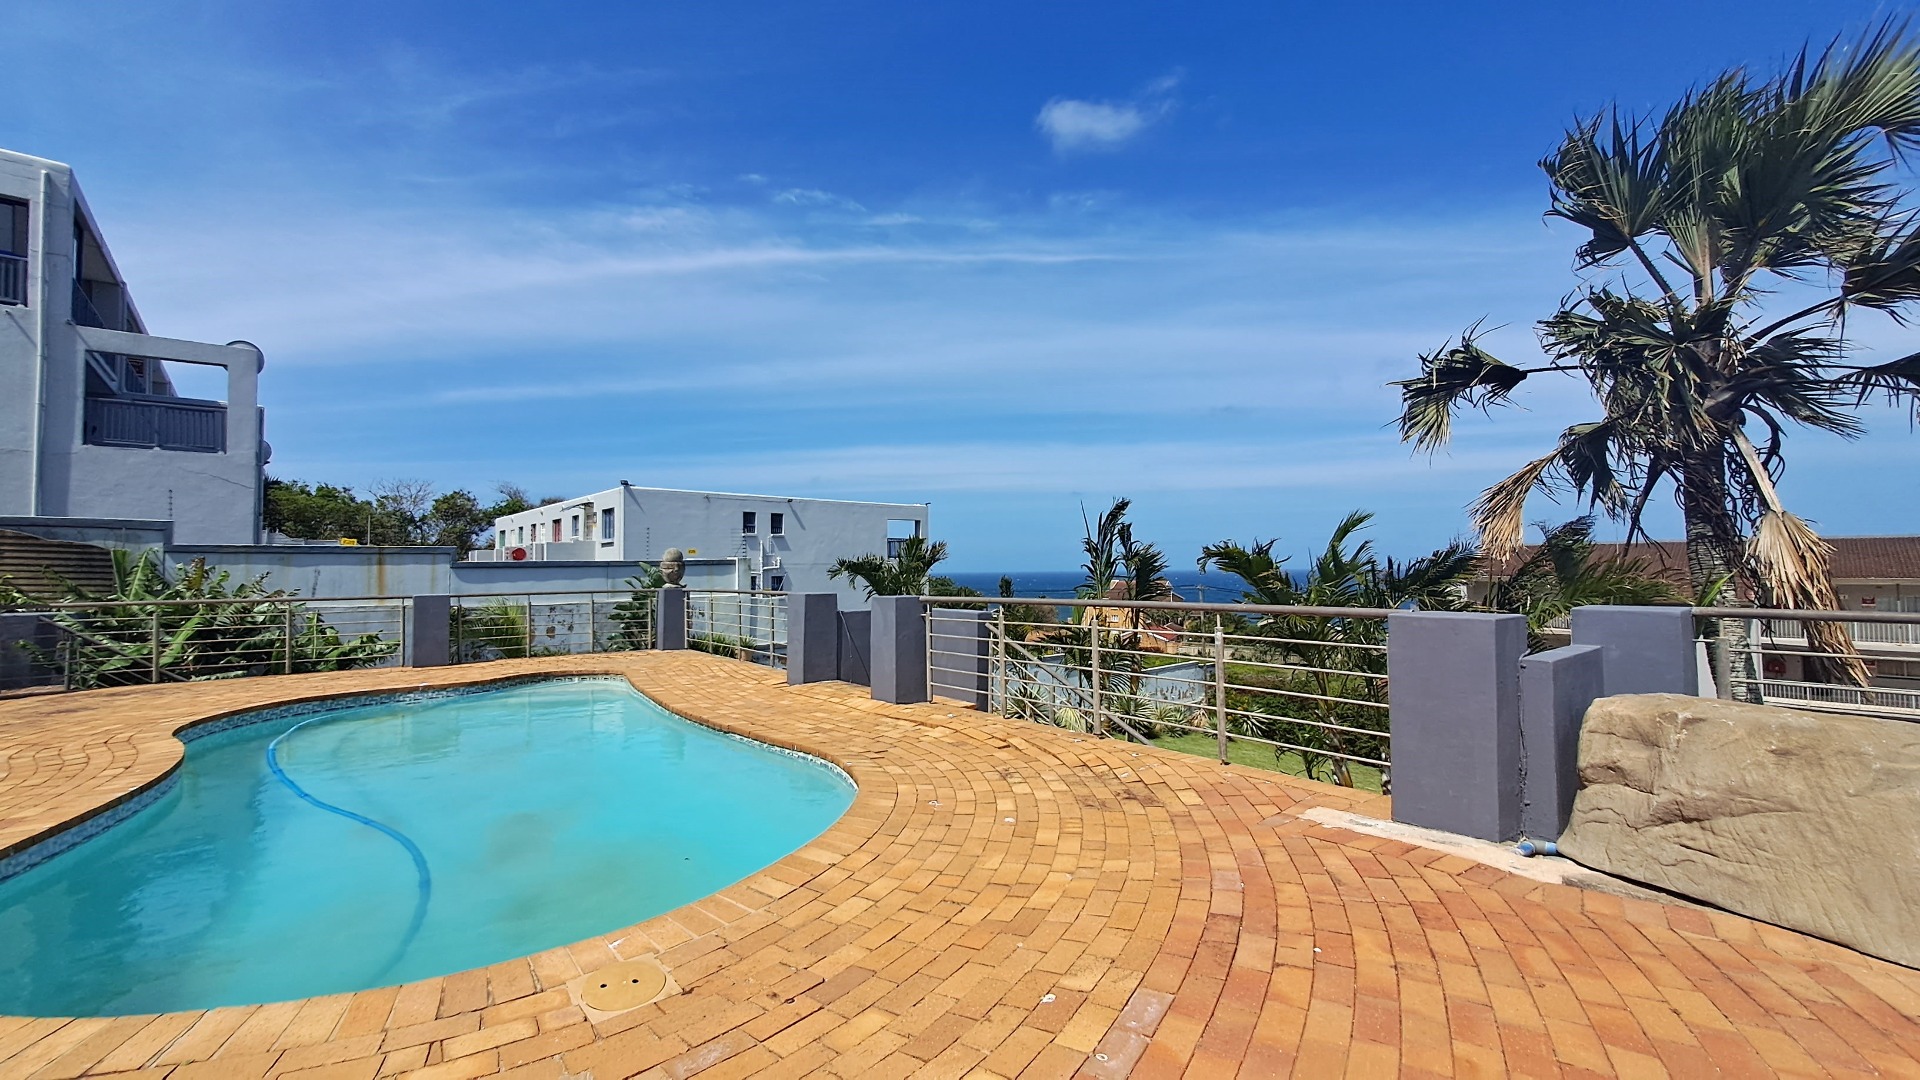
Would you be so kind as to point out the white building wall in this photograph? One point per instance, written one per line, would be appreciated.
(46, 468)
(708, 525)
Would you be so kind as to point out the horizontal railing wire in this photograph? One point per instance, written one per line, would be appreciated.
(1299, 689)
(1866, 664)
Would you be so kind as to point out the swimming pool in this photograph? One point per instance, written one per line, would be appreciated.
(400, 838)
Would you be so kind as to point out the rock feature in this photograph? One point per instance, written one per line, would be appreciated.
(1806, 820)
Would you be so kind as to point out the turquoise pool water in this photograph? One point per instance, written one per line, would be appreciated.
(406, 839)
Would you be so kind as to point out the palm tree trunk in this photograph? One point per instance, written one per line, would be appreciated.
(1714, 558)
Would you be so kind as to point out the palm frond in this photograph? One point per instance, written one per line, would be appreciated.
(1452, 376)
(1795, 568)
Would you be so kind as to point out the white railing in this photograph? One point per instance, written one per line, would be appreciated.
(13, 278)
(1768, 657)
(1295, 689)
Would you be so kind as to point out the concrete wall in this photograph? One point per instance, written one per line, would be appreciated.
(647, 521)
(45, 467)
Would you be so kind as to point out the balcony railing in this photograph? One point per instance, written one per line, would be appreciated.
(13, 279)
(1767, 656)
(157, 423)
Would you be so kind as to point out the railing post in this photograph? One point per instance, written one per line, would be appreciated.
(899, 650)
(1456, 720)
(999, 702)
(428, 634)
(813, 638)
(1095, 724)
(529, 599)
(153, 630)
(670, 619)
(1220, 687)
(1647, 650)
(1555, 689)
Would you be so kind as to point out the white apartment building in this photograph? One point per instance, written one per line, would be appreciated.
(731, 541)
(100, 419)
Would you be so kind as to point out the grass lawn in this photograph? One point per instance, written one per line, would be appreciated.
(1261, 756)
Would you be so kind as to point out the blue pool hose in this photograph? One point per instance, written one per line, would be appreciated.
(425, 892)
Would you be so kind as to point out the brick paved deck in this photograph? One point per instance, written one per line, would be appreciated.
(1143, 913)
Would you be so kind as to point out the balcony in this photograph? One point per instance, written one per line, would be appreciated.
(13, 279)
(157, 423)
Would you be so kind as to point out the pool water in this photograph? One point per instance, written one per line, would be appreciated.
(405, 839)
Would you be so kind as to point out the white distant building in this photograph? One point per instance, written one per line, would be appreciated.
(99, 419)
(731, 541)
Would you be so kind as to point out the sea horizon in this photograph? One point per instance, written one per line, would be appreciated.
(1052, 584)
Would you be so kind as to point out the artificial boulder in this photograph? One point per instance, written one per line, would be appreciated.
(1803, 819)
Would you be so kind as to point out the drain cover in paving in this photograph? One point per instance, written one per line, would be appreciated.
(625, 985)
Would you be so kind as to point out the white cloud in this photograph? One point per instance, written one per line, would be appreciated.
(1075, 125)
(814, 197)
(1089, 125)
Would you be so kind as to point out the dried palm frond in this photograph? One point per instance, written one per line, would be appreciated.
(1795, 566)
(1500, 512)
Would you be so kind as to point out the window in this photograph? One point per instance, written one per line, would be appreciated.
(556, 530)
(13, 252)
(778, 582)
(776, 525)
(520, 535)
(13, 227)
(746, 523)
(573, 527)
(606, 524)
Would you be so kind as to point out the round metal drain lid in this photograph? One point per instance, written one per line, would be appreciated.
(625, 985)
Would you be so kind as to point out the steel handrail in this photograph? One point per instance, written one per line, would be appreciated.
(1168, 605)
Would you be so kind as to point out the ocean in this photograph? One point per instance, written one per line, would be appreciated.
(1187, 584)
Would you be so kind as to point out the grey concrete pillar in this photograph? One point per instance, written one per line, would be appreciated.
(957, 655)
(856, 647)
(429, 631)
(813, 638)
(670, 619)
(1648, 650)
(1555, 689)
(1454, 681)
(899, 656)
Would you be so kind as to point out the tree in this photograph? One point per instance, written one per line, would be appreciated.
(1322, 689)
(313, 513)
(1026, 622)
(1562, 573)
(1692, 218)
(901, 575)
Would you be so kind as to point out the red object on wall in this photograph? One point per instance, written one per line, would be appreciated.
(1775, 667)
(518, 555)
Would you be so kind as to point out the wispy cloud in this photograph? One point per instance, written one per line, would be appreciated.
(1074, 125)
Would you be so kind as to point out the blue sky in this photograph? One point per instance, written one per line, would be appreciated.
(1003, 258)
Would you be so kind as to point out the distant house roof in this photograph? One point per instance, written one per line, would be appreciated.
(1855, 558)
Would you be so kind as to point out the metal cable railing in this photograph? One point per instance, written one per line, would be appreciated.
(79, 646)
(746, 624)
(1299, 689)
(83, 645)
(1769, 656)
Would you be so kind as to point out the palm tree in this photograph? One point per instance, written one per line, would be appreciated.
(1562, 573)
(904, 574)
(1743, 185)
(1333, 667)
